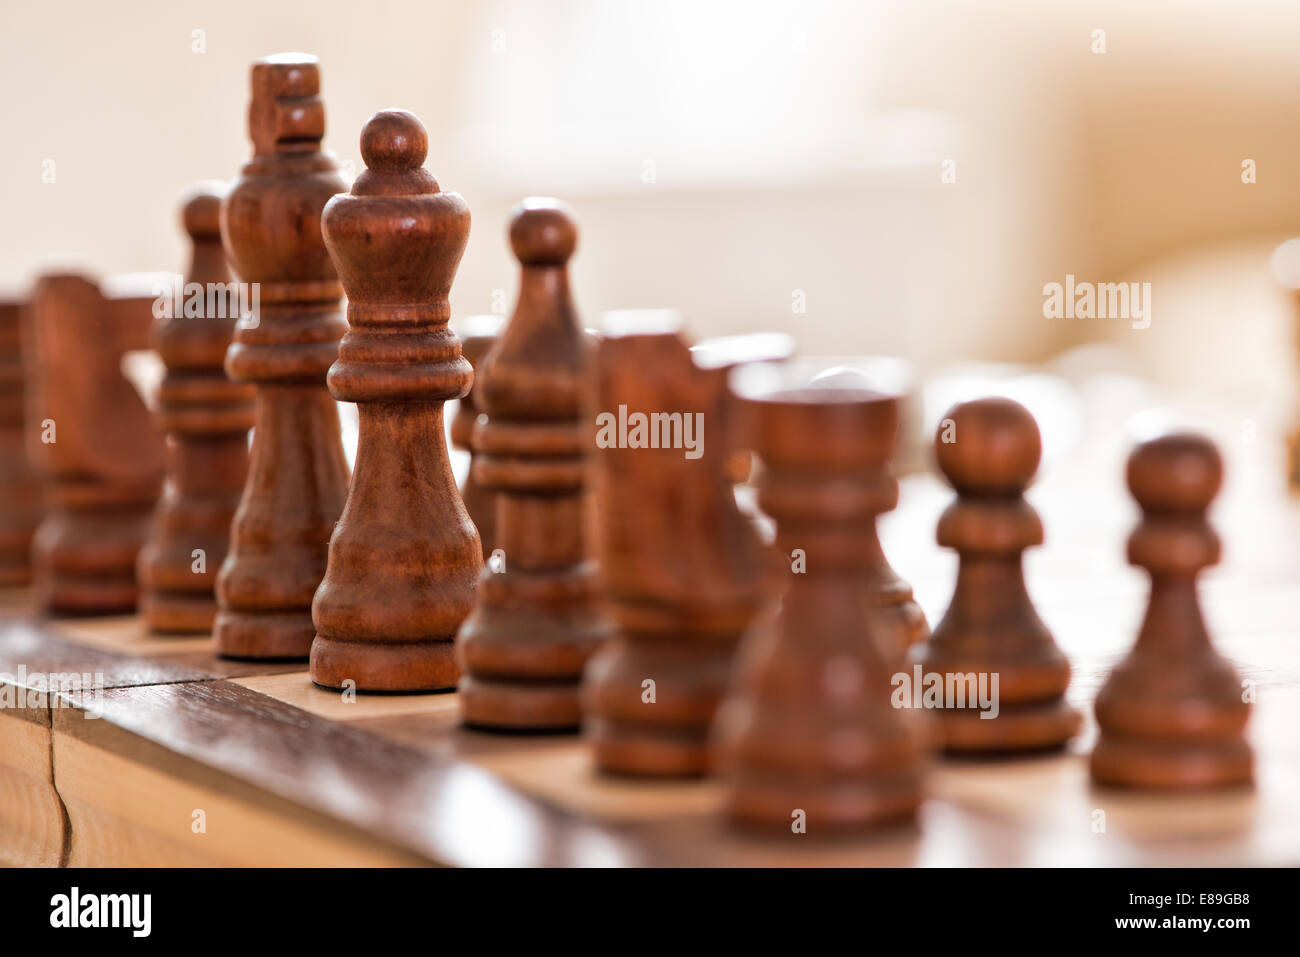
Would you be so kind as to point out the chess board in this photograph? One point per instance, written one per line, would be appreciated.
(188, 759)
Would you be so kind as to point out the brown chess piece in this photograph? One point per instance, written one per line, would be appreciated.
(92, 440)
(404, 559)
(297, 474)
(206, 418)
(477, 336)
(20, 490)
(682, 569)
(808, 733)
(536, 623)
(989, 449)
(1172, 714)
(897, 620)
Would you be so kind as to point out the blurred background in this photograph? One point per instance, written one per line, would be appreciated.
(873, 177)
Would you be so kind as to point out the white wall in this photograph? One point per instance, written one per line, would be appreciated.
(796, 145)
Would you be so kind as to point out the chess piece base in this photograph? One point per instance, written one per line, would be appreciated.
(520, 706)
(383, 666)
(766, 804)
(1020, 728)
(74, 595)
(178, 612)
(665, 735)
(1162, 765)
(522, 660)
(282, 636)
(640, 751)
(84, 559)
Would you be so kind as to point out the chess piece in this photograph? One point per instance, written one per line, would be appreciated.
(404, 559)
(808, 724)
(477, 336)
(682, 569)
(897, 620)
(91, 437)
(206, 418)
(20, 491)
(988, 449)
(297, 474)
(536, 623)
(1171, 714)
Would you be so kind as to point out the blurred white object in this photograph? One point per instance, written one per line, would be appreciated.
(144, 369)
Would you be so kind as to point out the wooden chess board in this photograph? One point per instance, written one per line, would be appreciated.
(278, 771)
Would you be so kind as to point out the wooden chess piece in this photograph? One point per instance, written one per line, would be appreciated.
(405, 557)
(536, 622)
(808, 731)
(20, 490)
(897, 620)
(989, 449)
(477, 336)
(91, 437)
(1172, 714)
(682, 569)
(206, 418)
(297, 473)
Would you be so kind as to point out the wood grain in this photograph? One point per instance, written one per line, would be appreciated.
(33, 827)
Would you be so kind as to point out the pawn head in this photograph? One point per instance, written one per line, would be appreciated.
(201, 209)
(543, 232)
(988, 447)
(1177, 472)
(394, 140)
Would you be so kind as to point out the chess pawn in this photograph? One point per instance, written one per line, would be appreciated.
(90, 435)
(808, 723)
(20, 491)
(477, 336)
(206, 418)
(989, 449)
(297, 474)
(404, 559)
(683, 570)
(535, 625)
(1171, 714)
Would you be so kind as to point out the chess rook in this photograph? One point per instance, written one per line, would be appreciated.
(808, 722)
(20, 490)
(1172, 714)
(897, 620)
(206, 418)
(536, 623)
(682, 569)
(297, 474)
(477, 336)
(92, 440)
(989, 451)
(405, 557)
